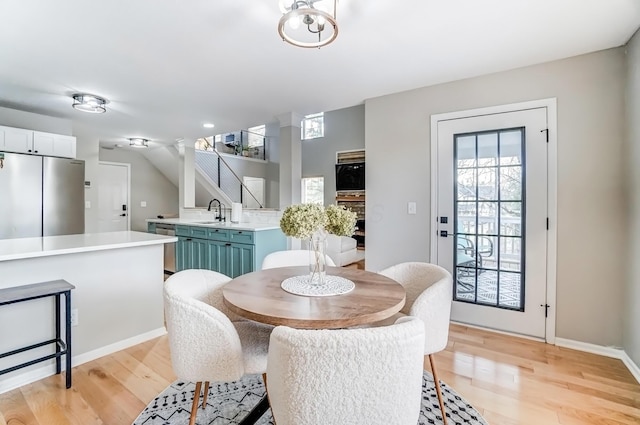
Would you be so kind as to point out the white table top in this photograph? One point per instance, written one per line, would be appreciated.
(22, 248)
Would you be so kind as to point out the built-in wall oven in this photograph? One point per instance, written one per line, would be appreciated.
(169, 248)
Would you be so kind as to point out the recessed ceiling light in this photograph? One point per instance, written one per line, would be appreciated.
(208, 125)
(89, 103)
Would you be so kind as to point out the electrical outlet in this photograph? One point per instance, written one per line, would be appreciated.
(411, 208)
(74, 317)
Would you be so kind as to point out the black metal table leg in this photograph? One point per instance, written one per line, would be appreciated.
(58, 360)
(67, 335)
(257, 412)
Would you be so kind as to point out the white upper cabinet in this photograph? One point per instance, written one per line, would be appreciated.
(37, 142)
(16, 139)
(49, 144)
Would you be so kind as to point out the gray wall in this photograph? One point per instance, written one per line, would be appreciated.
(147, 184)
(343, 131)
(631, 316)
(592, 202)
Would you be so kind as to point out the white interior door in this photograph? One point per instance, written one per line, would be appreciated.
(256, 187)
(492, 218)
(113, 196)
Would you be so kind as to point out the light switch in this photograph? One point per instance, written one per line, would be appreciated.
(411, 208)
(143, 204)
(87, 204)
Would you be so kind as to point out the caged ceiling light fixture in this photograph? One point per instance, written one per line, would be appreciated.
(89, 103)
(137, 142)
(308, 23)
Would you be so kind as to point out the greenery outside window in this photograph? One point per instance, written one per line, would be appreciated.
(312, 126)
(313, 190)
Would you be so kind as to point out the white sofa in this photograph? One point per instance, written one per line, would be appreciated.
(343, 250)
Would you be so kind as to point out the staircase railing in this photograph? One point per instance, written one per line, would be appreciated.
(222, 175)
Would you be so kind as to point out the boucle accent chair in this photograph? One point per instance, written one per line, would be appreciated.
(363, 376)
(204, 343)
(429, 293)
(292, 257)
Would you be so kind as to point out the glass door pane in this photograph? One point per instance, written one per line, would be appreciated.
(489, 203)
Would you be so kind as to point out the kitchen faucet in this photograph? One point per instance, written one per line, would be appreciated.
(219, 218)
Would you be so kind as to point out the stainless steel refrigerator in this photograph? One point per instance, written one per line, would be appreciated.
(40, 196)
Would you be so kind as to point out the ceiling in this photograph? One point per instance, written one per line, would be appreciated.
(168, 66)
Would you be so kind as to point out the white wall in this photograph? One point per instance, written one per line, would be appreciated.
(592, 201)
(290, 159)
(631, 316)
(343, 131)
(147, 184)
(20, 119)
(241, 167)
(88, 150)
(272, 196)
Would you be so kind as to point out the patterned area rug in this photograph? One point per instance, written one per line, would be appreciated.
(229, 402)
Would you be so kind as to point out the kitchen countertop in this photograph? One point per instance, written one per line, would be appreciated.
(22, 248)
(254, 227)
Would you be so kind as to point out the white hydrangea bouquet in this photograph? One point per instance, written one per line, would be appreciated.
(314, 222)
(303, 220)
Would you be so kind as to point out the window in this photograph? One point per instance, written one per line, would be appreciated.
(312, 126)
(204, 144)
(313, 190)
(255, 136)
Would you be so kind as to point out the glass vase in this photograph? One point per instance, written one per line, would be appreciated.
(317, 258)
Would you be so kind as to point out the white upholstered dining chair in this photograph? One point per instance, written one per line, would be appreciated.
(347, 376)
(429, 293)
(292, 257)
(205, 344)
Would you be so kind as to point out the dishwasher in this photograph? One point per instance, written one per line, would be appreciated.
(169, 248)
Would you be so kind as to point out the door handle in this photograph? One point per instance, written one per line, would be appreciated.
(123, 215)
(445, 233)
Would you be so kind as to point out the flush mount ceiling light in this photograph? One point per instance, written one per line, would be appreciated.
(89, 103)
(138, 142)
(208, 125)
(308, 23)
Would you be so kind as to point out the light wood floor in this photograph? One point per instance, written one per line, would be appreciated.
(509, 380)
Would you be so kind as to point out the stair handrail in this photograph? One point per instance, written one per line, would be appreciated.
(220, 158)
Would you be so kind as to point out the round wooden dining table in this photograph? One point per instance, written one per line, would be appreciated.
(258, 296)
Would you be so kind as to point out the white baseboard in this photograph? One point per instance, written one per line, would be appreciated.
(482, 328)
(612, 352)
(601, 350)
(45, 371)
(116, 346)
(633, 368)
